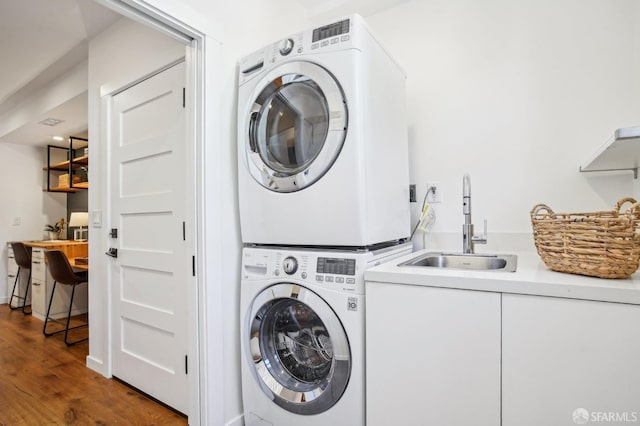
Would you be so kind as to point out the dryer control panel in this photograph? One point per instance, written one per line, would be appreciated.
(339, 35)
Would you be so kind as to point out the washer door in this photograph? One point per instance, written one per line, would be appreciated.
(296, 126)
(298, 348)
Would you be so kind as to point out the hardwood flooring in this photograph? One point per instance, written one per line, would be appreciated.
(44, 382)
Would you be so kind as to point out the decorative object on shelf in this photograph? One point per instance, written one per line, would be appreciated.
(79, 219)
(56, 231)
(63, 180)
(600, 244)
(67, 167)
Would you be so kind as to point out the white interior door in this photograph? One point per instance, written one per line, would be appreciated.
(149, 198)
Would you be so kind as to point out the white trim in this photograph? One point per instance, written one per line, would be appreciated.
(196, 61)
(152, 17)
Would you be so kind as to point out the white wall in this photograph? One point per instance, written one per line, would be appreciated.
(23, 199)
(518, 94)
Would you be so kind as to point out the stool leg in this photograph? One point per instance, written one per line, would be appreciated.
(26, 293)
(46, 318)
(13, 293)
(66, 328)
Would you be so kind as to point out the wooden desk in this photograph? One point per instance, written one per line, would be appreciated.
(69, 247)
(81, 267)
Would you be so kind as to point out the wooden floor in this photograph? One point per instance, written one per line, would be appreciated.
(44, 382)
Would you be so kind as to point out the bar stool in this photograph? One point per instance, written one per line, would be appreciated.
(62, 273)
(22, 256)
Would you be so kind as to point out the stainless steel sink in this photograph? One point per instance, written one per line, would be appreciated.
(479, 262)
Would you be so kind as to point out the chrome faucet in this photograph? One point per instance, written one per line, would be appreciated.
(468, 239)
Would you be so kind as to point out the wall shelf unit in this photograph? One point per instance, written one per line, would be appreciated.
(66, 167)
(620, 152)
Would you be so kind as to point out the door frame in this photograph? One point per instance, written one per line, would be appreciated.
(206, 368)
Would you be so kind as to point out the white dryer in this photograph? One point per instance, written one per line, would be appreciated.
(302, 334)
(322, 140)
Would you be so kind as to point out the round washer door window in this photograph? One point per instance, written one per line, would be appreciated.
(298, 348)
(296, 126)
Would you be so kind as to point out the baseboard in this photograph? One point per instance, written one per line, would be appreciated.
(95, 365)
(4, 300)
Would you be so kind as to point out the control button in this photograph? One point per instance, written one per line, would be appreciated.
(290, 265)
(344, 38)
(324, 43)
(335, 40)
(285, 46)
(351, 280)
(340, 279)
(314, 46)
(319, 278)
(299, 50)
(328, 279)
(303, 275)
(277, 272)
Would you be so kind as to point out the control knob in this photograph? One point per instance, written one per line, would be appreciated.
(290, 265)
(285, 46)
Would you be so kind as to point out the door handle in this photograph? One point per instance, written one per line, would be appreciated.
(113, 252)
(253, 143)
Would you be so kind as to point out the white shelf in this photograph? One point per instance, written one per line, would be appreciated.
(620, 152)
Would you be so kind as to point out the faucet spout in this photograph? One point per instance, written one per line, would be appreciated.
(466, 198)
(468, 239)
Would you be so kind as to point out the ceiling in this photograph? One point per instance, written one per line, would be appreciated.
(43, 39)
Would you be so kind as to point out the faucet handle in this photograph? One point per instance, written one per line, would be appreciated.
(481, 239)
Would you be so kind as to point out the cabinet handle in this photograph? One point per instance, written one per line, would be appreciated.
(36, 261)
(35, 283)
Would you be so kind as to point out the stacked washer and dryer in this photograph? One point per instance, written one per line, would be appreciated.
(324, 195)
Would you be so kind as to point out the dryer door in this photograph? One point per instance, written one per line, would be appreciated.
(298, 349)
(296, 126)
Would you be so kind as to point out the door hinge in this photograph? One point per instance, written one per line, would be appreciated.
(193, 265)
(186, 364)
(184, 97)
(184, 231)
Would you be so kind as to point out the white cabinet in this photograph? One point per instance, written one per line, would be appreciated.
(42, 285)
(433, 356)
(561, 355)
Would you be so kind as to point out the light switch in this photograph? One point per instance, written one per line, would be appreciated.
(96, 218)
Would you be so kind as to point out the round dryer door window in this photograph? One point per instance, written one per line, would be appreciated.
(298, 348)
(296, 126)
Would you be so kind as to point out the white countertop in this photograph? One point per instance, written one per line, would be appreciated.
(531, 277)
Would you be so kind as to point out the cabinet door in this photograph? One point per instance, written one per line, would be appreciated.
(563, 355)
(433, 356)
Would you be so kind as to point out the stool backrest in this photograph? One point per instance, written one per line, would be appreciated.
(22, 255)
(60, 268)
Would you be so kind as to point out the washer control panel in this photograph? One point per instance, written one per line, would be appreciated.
(339, 270)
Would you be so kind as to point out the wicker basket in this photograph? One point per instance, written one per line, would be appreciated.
(600, 244)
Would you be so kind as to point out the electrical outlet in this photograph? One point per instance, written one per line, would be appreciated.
(434, 194)
(412, 193)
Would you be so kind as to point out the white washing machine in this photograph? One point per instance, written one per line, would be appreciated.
(322, 140)
(303, 334)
